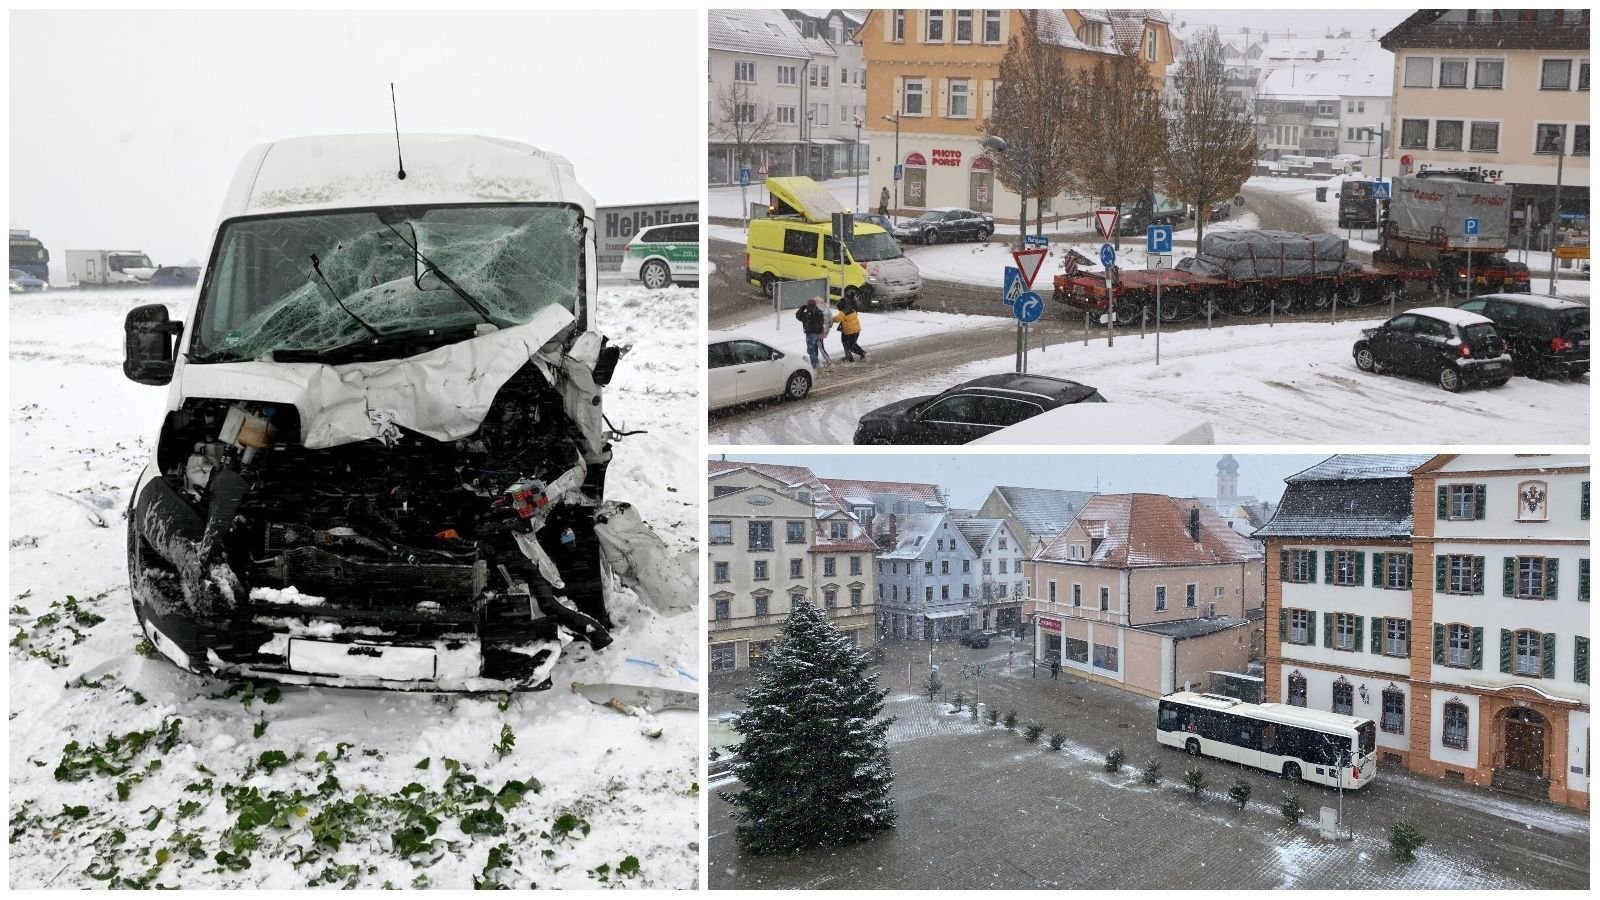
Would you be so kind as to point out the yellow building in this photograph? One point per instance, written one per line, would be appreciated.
(931, 78)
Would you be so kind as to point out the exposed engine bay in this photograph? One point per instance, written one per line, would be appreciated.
(463, 563)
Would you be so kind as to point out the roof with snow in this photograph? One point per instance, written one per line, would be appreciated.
(1043, 512)
(977, 531)
(1348, 496)
(1497, 29)
(914, 533)
(1193, 628)
(1348, 67)
(854, 491)
(767, 32)
(1138, 530)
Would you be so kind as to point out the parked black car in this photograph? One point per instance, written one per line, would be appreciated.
(884, 222)
(1548, 336)
(1450, 346)
(937, 226)
(969, 411)
(975, 639)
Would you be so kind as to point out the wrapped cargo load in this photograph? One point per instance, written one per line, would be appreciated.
(1435, 210)
(1254, 255)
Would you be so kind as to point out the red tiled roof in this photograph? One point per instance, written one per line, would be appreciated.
(1140, 530)
(843, 487)
(828, 545)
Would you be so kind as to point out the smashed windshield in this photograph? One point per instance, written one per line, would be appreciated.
(874, 247)
(265, 295)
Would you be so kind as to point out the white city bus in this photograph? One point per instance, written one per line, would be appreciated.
(1293, 741)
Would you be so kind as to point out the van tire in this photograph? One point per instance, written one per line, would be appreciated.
(769, 284)
(655, 275)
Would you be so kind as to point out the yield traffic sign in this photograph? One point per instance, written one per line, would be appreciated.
(1029, 261)
(1105, 221)
(1014, 286)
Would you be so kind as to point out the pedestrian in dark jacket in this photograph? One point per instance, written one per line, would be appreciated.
(815, 323)
(1055, 669)
(883, 202)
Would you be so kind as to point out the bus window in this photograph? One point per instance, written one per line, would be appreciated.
(1171, 717)
(1269, 737)
(1367, 739)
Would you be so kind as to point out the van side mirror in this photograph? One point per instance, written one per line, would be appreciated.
(149, 344)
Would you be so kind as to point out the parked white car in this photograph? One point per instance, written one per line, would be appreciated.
(743, 369)
(660, 255)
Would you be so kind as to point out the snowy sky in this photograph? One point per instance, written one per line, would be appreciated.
(1303, 20)
(969, 478)
(127, 126)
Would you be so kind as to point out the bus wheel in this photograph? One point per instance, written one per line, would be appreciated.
(1192, 747)
(1291, 771)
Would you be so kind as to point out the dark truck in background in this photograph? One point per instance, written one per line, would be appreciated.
(1357, 206)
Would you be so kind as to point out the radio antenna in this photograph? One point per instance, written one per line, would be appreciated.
(396, 107)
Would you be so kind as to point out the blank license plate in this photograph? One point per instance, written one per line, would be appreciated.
(360, 660)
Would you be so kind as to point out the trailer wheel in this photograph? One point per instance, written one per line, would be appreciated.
(1319, 299)
(1285, 300)
(1127, 310)
(1248, 302)
(1176, 309)
(1355, 294)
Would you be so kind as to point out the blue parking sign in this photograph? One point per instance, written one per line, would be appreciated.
(1158, 239)
(1470, 228)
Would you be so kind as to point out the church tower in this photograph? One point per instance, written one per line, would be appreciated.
(1227, 477)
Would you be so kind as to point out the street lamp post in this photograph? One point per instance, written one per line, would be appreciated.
(896, 120)
(856, 162)
(811, 122)
(1555, 212)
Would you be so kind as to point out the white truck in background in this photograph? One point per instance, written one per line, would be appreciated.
(108, 267)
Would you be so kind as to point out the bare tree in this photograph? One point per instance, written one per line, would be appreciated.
(743, 122)
(1029, 114)
(1211, 134)
(1115, 108)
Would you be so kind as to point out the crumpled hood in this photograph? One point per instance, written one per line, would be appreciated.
(444, 393)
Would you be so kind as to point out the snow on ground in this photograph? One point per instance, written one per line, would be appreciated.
(878, 329)
(1287, 384)
(126, 771)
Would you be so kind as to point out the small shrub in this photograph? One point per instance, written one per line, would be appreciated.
(1404, 839)
(957, 702)
(1195, 780)
(1240, 793)
(994, 717)
(932, 686)
(1011, 718)
(1057, 740)
(1033, 731)
(1114, 760)
(1151, 773)
(1291, 808)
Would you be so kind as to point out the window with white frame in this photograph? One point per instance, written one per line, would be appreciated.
(1394, 711)
(1489, 74)
(1397, 571)
(825, 69)
(944, 592)
(1344, 567)
(721, 532)
(822, 112)
(1458, 646)
(1052, 590)
(1299, 626)
(1344, 631)
(933, 28)
(760, 573)
(830, 599)
(788, 75)
(899, 26)
(1150, 44)
(1452, 72)
(1077, 595)
(838, 531)
(1302, 565)
(1003, 567)
(1396, 637)
(1461, 575)
(1555, 75)
(1447, 134)
(1549, 138)
(796, 568)
(794, 532)
(744, 71)
(855, 596)
(927, 567)
(1414, 134)
(1530, 577)
(944, 567)
(1297, 690)
(719, 572)
(787, 115)
(963, 26)
(1529, 654)
(1485, 137)
(991, 26)
(1419, 72)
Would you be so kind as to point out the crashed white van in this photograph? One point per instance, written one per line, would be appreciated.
(383, 457)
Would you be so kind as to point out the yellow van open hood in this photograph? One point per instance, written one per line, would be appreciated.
(801, 196)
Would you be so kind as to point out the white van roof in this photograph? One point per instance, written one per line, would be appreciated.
(361, 170)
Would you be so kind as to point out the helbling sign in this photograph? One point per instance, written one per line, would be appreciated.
(618, 224)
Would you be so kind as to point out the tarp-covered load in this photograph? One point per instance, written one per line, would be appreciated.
(1254, 255)
(1435, 210)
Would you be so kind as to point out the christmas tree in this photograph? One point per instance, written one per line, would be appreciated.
(814, 761)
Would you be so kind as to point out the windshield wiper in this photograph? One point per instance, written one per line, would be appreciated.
(446, 280)
(316, 266)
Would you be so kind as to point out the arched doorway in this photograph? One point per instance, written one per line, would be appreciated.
(916, 179)
(1524, 732)
(980, 196)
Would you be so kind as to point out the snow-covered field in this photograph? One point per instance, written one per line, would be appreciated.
(1288, 384)
(126, 771)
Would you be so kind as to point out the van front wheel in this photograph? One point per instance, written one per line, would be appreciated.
(769, 285)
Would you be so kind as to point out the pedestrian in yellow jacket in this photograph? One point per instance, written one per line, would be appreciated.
(849, 330)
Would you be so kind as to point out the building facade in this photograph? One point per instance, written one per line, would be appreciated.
(1036, 515)
(1002, 585)
(836, 85)
(775, 539)
(1502, 92)
(1146, 592)
(1432, 595)
(1321, 97)
(932, 78)
(926, 580)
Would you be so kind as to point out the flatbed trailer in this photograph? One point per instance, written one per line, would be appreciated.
(1185, 295)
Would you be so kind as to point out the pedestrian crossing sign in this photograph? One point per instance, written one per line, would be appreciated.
(1014, 286)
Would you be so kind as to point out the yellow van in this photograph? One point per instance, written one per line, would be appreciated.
(795, 243)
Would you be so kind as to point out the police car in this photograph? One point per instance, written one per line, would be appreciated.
(663, 254)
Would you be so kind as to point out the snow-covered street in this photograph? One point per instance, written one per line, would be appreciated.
(1286, 384)
(128, 772)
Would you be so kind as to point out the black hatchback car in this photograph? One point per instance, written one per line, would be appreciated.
(1450, 346)
(971, 410)
(949, 224)
(1548, 336)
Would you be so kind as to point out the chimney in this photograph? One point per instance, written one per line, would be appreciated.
(1194, 524)
(894, 530)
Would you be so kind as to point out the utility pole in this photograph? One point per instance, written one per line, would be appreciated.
(856, 163)
(892, 169)
(1555, 213)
